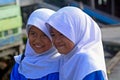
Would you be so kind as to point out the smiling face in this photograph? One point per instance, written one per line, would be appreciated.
(62, 43)
(38, 40)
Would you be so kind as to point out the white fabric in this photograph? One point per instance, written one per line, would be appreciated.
(35, 65)
(87, 55)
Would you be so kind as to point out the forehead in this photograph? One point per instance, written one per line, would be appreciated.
(34, 28)
(54, 31)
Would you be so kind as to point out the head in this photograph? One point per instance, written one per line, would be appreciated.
(38, 35)
(61, 42)
(38, 40)
(74, 28)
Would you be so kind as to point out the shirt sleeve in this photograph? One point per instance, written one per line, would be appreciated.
(14, 72)
(97, 75)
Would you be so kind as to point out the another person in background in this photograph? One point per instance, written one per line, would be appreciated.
(78, 38)
(40, 60)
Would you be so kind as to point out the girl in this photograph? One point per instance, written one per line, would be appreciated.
(40, 60)
(78, 38)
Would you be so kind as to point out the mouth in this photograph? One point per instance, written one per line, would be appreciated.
(38, 46)
(60, 46)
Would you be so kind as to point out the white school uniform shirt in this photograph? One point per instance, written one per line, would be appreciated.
(35, 65)
(87, 55)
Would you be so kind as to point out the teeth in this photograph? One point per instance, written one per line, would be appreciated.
(61, 47)
(38, 46)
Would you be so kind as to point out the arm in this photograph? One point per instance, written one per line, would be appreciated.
(14, 73)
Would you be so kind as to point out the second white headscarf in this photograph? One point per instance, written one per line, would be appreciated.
(87, 55)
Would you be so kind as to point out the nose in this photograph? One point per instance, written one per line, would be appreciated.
(38, 39)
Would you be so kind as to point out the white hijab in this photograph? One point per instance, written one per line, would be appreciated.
(35, 65)
(87, 55)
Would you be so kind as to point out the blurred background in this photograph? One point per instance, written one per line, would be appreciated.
(14, 15)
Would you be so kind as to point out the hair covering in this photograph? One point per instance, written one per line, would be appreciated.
(87, 55)
(38, 65)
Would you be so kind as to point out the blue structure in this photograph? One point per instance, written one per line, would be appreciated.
(101, 16)
(6, 2)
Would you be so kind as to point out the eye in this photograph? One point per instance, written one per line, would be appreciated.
(44, 35)
(61, 34)
(32, 33)
(52, 34)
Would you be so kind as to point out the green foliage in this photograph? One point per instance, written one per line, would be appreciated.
(24, 40)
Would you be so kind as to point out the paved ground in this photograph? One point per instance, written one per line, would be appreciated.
(114, 66)
(115, 73)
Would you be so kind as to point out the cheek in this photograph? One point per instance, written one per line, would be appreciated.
(31, 40)
(69, 45)
(30, 37)
(48, 43)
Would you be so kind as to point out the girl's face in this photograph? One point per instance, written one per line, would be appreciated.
(38, 40)
(62, 43)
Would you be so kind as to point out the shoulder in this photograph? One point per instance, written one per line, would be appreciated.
(97, 75)
(14, 72)
(15, 67)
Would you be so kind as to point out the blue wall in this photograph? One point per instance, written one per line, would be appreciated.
(5, 2)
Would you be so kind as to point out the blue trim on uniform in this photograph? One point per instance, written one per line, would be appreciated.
(15, 75)
(97, 75)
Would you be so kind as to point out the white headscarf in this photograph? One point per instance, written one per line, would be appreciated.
(38, 65)
(87, 55)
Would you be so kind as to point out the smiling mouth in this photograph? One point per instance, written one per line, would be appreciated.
(38, 46)
(60, 47)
